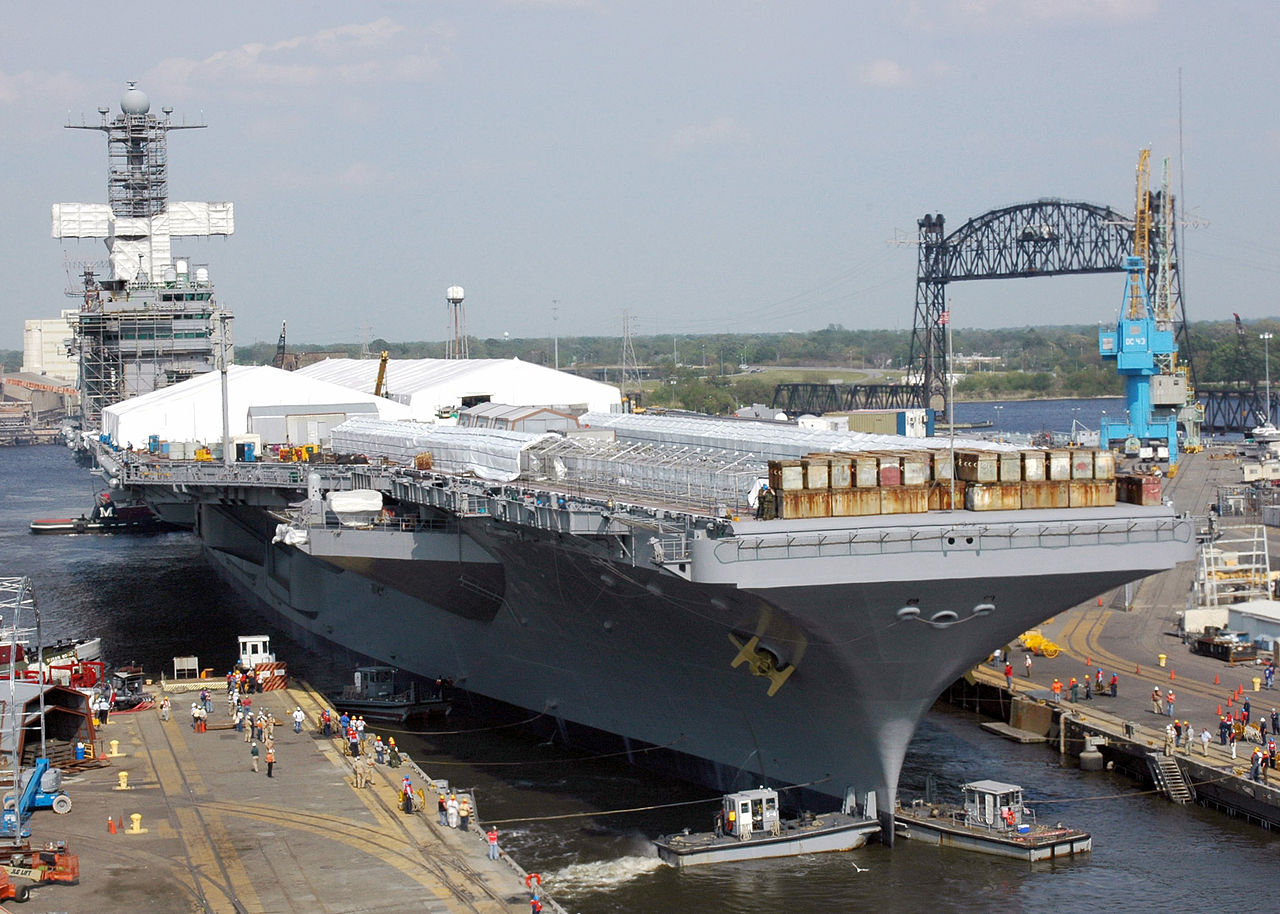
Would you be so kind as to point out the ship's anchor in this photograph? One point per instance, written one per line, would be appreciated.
(761, 663)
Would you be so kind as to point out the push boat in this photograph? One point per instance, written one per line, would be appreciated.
(106, 517)
(750, 827)
(991, 821)
(382, 693)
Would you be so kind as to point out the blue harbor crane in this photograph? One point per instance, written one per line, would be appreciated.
(1139, 345)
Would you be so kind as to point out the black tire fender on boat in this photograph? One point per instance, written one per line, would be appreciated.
(81, 526)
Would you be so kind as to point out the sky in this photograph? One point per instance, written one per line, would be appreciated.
(707, 167)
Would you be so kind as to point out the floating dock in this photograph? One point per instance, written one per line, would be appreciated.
(196, 829)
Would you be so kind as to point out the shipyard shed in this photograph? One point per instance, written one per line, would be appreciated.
(437, 389)
(535, 419)
(192, 410)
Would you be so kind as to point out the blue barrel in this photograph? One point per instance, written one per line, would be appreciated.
(79, 752)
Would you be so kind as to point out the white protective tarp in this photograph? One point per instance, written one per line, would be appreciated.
(484, 452)
(355, 508)
(769, 440)
(190, 219)
(81, 220)
(192, 410)
(429, 385)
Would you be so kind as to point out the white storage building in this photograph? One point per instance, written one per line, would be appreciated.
(192, 410)
(436, 388)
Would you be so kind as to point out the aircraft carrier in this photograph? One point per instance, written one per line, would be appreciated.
(625, 592)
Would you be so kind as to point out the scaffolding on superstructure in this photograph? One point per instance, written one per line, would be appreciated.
(147, 319)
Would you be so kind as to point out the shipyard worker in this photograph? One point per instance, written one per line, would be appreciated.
(343, 722)
(1088, 688)
(1115, 683)
(298, 718)
(1097, 681)
(1057, 689)
(379, 750)
(195, 715)
(1177, 733)
(1275, 721)
(451, 810)
(1168, 703)
(1026, 661)
(1271, 751)
(1008, 675)
(253, 756)
(326, 721)
(393, 756)
(1255, 764)
(535, 906)
(1205, 738)
(492, 836)
(164, 708)
(440, 807)
(760, 499)
(271, 761)
(1269, 674)
(1231, 741)
(1156, 707)
(1224, 728)
(1244, 709)
(1168, 739)
(464, 813)
(1075, 689)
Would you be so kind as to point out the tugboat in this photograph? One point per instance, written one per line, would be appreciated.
(991, 821)
(749, 827)
(106, 517)
(378, 693)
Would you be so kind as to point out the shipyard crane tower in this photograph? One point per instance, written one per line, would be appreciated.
(1143, 347)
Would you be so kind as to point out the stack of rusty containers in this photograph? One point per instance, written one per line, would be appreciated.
(913, 482)
(1139, 490)
(1055, 478)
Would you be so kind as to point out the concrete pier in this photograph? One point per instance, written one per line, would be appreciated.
(217, 837)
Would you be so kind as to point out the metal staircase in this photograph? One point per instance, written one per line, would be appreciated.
(1168, 776)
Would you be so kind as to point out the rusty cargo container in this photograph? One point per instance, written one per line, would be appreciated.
(1082, 464)
(1059, 465)
(855, 502)
(866, 471)
(915, 469)
(944, 466)
(977, 466)
(890, 469)
(1092, 493)
(817, 472)
(1010, 463)
(806, 503)
(841, 472)
(1046, 494)
(993, 496)
(1104, 464)
(1034, 466)
(1139, 490)
(904, 499)
(940, 495)
(786, 475)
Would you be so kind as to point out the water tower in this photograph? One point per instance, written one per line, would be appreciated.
(456, 347)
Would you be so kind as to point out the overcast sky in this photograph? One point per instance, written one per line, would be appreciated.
(708, 166)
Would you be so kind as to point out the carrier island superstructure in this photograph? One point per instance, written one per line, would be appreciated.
(152, 320)
(620, 585)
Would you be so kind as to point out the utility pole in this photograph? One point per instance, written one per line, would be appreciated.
(555, 328)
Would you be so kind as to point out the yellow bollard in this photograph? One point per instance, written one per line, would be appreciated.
(123, 777)
(136, 828)
(115, 749)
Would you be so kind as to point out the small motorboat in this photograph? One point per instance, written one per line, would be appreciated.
(750, 827)
(106, 517)
(382, 693)
(992, 820)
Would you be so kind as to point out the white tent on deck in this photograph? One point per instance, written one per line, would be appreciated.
(192, 410)
(430, 386)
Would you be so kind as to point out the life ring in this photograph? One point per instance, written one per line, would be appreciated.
(1009, 818)
(531, 878)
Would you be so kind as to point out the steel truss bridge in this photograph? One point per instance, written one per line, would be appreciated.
(1046, 238)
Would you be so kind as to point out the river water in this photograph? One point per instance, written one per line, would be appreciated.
(152, 598)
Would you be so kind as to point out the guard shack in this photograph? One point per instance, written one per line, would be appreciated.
(749, 811)
(255, 650)
(991, 804)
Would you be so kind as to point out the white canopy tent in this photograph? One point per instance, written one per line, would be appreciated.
(192, 410)
(428, 386)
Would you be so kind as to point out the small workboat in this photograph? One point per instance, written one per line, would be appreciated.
(991, 821)
(106, 517)
(383, 693)
(749, 827)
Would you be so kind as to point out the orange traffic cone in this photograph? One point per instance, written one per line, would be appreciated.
(1099, 601)
(1171, 675)
(1137, 670)
(111, 825)
(1229, 701)
(1219, 710)
(1088, 661)
(1215, 679)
